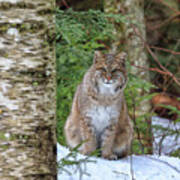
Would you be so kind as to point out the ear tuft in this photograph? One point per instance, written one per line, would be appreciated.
(121, 57)
(97, 56)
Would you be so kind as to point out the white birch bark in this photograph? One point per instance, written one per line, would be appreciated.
(27, 90)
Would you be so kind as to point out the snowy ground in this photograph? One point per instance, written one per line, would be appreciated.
(165, 141)
(133, 167)
(139, 167)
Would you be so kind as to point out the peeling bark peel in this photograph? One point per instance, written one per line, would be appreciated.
(27, 90)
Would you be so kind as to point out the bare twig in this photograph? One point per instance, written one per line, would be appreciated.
(165, 22)
(165, 50)
(167, 5)
(65, 3)
(151, 69)
(122, 173)
(163, 136)
(164, 70)
(168, 81)
(131, 164)
(131, 167)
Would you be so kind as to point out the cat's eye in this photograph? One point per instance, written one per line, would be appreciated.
(103, 69)
(114, 70)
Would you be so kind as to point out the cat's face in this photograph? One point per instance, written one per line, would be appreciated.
(110, 70)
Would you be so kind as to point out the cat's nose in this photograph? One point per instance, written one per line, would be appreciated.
(108, 78)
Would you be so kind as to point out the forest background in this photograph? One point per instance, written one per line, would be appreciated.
(83, 27)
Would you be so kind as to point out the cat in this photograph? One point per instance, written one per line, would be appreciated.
(99, 116)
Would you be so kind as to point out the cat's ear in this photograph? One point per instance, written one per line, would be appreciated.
(121, 58)
(97, 56)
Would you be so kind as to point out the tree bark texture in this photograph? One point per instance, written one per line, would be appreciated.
(27, 90)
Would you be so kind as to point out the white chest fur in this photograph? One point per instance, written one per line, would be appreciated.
(107, 89)
(102, 116)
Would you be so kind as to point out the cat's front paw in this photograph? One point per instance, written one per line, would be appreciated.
(87, 150)
(110, 156)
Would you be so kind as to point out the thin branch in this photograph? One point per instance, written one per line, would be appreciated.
(151, 69)
(131, 162)
(165, 22)
(163, 136)
(65, 3)
(165, 50)
(131, 167)
(165, 71)
(167, 5)
(168, 81)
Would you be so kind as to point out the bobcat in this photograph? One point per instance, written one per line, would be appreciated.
(99, 116)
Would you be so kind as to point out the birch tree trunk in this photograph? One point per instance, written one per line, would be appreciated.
(27, 90)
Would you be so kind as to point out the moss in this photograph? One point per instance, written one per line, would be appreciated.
(4, 147)
(4, 27)
(32, 26)
(12, 137)
(45, 11)
(26, 5)
(2, 136)
(5, 5)
(3, 53)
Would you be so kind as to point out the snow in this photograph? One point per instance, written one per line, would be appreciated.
(165, 143)
(142, 167)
